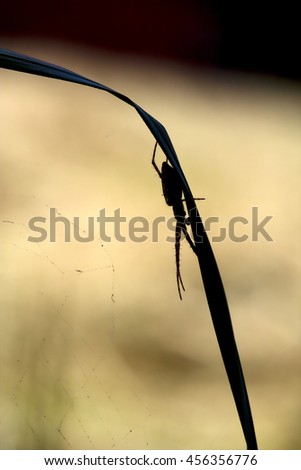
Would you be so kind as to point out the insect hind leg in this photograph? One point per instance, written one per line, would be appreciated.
(188, 238)
(177, 247)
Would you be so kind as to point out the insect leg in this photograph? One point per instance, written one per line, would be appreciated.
(177, 247)
(153, 161)
(187, 236)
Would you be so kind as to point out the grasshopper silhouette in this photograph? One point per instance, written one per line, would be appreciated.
(172, 192)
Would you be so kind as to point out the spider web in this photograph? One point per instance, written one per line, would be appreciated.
(60, 380)
(64, 384)
(73, 376)
(90, 352)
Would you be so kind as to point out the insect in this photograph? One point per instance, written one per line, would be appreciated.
(172, 192)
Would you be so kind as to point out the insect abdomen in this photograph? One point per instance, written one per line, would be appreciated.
(171, 184)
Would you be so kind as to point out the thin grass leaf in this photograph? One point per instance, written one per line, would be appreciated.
(213, 285)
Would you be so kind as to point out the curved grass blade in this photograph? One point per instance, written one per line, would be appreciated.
(213, 285)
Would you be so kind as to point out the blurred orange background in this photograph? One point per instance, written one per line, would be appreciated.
(97, 350)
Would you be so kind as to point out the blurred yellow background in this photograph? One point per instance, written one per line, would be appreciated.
(96, 349)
